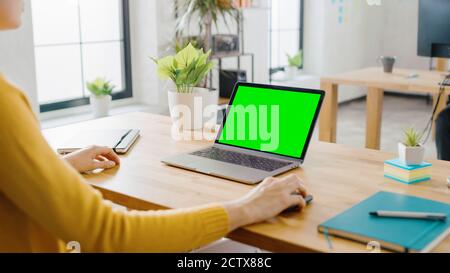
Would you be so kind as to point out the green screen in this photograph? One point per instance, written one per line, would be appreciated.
(270, 120)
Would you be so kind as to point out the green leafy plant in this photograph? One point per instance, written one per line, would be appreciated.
(100, 87)
(412, 138)
(208, 13)
(183, 43)
(186, 69)
(296, 60)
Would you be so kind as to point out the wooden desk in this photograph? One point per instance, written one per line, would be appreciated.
(337, 176)
(376, 81)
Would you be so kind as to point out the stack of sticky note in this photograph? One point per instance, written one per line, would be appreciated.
(408, 174)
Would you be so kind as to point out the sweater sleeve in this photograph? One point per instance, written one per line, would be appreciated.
(56, 197)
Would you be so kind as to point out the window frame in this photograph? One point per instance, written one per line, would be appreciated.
(273, 70)
(128, 90)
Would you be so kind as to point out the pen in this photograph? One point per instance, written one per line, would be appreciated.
(410, 215)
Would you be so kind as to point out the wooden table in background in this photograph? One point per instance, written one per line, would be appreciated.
(337, 176)
(376, 81)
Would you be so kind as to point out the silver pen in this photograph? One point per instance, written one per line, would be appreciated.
(410, 215)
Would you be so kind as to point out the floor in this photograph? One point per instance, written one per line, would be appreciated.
(399, 113)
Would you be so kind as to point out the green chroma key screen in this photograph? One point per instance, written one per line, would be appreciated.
(270, 120)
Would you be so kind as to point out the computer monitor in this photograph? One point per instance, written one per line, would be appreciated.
(434, 28)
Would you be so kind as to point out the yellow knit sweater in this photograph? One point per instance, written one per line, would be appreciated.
(45, 203)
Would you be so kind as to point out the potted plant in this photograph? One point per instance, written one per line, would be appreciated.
(100, 99)
(187, 70)
(208, 12)
(294, 62)
(411, 151)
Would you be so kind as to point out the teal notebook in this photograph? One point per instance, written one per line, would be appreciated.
(401, 235)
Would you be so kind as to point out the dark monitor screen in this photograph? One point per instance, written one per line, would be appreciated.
(434, 28)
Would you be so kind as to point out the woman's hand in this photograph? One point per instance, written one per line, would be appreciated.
(267, 200)
(93, 158)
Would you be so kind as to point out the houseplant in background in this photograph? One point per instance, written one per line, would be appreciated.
(411, 150)
(294, 62)
(187, 70)
(100, 98)
(208, 13)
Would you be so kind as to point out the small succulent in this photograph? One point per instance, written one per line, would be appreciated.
(412, 138)
(100, 87)
(296, 60)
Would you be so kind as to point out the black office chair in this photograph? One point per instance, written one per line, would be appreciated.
(443, 134)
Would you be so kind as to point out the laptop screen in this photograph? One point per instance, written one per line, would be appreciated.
(271, 119)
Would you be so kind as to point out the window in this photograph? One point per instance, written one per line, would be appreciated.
(77, 41)
(286, 31)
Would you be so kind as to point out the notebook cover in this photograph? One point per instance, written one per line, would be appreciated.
(409, 234)
(397, 163)
(107, 138)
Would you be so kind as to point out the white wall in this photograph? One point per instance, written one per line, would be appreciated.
(144, 33)
(400, 33)
(370, 31)
(17, 56)
(332, 47)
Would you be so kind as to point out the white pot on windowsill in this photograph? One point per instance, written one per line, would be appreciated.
(194, 110)
(411, 155)
(290, 72)
(100, 105)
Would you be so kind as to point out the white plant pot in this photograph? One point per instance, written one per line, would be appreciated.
(290, 72)
(411, 155)
(192, 111)
(100, 105)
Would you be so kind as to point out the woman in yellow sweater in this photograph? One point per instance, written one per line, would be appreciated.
(44, 201)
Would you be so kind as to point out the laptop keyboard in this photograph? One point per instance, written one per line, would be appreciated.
(250, 161)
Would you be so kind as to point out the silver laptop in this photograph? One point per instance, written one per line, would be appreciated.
(265, 132)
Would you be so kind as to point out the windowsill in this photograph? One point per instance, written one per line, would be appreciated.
(300, 80)
(280, 77)
(84, 114)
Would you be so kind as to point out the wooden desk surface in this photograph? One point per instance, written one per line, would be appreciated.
(426, 82)
(337, 176)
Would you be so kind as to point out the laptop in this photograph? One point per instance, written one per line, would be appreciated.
(265, 132)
